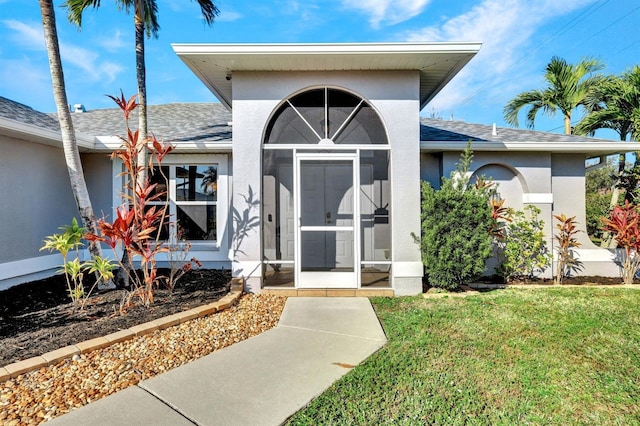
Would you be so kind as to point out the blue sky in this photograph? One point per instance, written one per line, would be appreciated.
(519, 37)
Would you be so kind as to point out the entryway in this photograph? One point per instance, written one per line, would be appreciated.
(326, 192)
(327, 228)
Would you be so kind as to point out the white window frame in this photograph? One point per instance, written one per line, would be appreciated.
(222, 202)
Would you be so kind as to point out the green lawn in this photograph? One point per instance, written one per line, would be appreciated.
(529, 356)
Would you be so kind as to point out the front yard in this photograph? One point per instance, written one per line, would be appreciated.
(543, 356)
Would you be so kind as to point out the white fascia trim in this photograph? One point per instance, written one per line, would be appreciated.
(537, 198)
(324, 48)
(599, 147)
(113, 143)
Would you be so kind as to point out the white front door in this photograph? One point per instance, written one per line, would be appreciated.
(327, 231)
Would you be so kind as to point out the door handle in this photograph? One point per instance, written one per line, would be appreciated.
(328, 217)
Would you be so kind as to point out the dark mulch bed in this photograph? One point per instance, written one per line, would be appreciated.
(37, 317)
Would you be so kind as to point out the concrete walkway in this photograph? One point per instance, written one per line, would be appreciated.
(260, 381)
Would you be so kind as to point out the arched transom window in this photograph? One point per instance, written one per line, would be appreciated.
(325, 116)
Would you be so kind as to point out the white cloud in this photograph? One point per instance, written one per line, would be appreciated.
(387, 11)
(89, 61)
(229, 16)
(113, 42)
(31, 36)
(35, 82)
(507, 29)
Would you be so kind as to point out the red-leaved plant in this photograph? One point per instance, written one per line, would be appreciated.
(567, 242)
(624, 223)
(137, 224)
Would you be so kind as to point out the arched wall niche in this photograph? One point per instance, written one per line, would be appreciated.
(511, 184)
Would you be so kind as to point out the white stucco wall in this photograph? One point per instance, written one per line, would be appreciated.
(393, 94)
(569, 198)
(37, 199)
(555, 183)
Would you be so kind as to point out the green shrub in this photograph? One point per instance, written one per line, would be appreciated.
(523, 249)
(456, 220)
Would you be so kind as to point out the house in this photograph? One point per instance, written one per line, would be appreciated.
(305, 177)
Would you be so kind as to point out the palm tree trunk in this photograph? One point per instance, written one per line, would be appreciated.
(122, 275)
(142, 89)
(69, 143)
(567, 124)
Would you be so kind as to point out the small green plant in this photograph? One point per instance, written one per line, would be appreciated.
(177, 257)
(567, 242)
(70, 240)
(523, 249)
(624, 224)
(455, 243)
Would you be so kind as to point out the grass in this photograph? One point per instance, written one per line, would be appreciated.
(544, 356)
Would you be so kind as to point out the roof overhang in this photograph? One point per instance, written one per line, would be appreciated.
(590, 149)
(437, 63)
(20, 130)
(113, 143)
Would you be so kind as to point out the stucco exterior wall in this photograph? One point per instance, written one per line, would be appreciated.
(569, 198)
(555, 183)
(37, 200)
(393, 94)
(523, 178)
(97, 170)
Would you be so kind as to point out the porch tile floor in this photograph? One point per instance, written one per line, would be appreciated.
(260, 381)
(373, 283)
(329, 292)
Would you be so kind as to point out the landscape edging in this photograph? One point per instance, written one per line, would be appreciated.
(17, 368)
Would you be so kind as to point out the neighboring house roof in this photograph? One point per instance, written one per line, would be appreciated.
(24, 123)
(189, 126)
(436, 63)
(16, 111)
(438, 135)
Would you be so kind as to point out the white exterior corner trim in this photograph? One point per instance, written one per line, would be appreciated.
(596, 255)
(537, 198)
(407, 269)
(32, 265)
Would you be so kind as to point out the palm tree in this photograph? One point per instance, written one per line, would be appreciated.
(145, 19)
(568, 88)
(69, 143)
(616, 106)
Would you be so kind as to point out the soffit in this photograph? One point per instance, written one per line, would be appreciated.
(437, 63)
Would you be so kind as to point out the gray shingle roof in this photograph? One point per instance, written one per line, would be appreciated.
(442, 130)
(19, 112)
(176, 122)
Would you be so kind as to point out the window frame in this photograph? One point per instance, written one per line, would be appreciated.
(173, 161)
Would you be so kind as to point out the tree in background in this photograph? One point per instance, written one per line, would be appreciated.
(69, 143)
(145, 19)
(615, 105)
(569, 86)
(599, 184)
